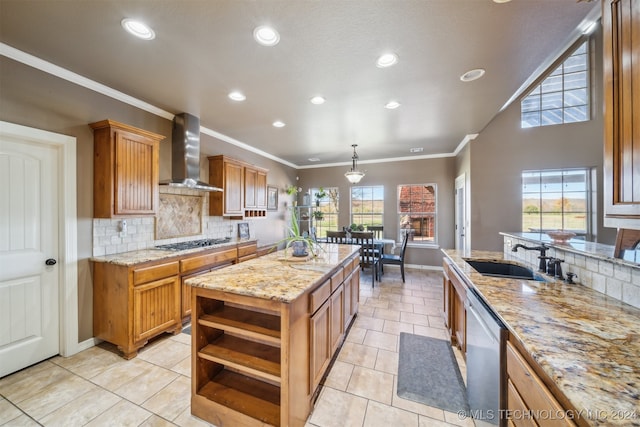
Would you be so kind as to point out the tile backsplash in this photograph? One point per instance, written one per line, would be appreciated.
(108, 237)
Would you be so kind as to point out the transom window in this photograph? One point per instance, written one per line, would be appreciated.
(562, 97)
(556, 200)
(367, 205)
(327, 205)
(417, 212)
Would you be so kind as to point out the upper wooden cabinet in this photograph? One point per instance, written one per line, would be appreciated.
(621, 25)
(125, 170)
(244, 185)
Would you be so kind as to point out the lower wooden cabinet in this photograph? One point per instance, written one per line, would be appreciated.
(133, 304)
(529, 400)
(320, 327)
(455, 314)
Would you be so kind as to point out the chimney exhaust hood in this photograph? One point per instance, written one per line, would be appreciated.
(185, 154)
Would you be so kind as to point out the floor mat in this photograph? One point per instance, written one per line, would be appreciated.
(428, 373)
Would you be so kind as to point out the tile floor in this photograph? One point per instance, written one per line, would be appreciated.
(98, 388)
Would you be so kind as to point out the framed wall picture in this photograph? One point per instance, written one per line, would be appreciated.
(272, 198)
(243, 230)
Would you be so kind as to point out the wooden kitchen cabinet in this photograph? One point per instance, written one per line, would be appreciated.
(125, 170)
(455, 297)
(529, 400)
(247, 251)
(244, 185)
(132, 304)
(621, 37)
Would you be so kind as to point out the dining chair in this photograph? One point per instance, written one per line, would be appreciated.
(369, 254)
(377, 231)
(395, 259)
(336, 237)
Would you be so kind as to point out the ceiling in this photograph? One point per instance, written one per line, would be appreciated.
(205, 49)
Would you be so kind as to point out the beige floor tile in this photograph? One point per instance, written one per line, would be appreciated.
(156, 421)
(364, 310)
(338, 409)
(120, 374)
(386, 314)
(82, 409)
(166, 353)
(25, 384)
(358, 354)
(416, 319)
(22, 421)
(182, 338)
(436, 322)
(391, 327)
(428, 331)
(400, 306)
(356, 335)
(458, 420)
(387, 361)
(392, 296)
(185, 419)
(142, 387)
(90, 362)
(339, 375)
(381, 340)
(430, 422)
(56, 395)
(371, 384)
(183, 367)
(8, 411)
(429, 309)
(365, 322)
(419, 408)
(122, 414)
(413, 300)
(170, 401)
(380, 415)
(375, 302)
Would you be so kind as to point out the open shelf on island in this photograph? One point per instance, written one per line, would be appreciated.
(250, 324)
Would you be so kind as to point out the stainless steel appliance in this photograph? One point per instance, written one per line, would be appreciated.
(192, 244)
(486, 337)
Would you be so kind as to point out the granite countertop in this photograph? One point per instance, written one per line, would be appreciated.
(577, 246)
(587, 342)
(153, 254)
(274, 276)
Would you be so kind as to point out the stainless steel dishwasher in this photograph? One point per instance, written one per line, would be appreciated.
(486, 336)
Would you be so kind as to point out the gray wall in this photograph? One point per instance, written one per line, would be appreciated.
(503, 150)
(440, 171)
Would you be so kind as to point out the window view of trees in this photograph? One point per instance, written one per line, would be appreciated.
(555, 200)
(417, 212)
(367, 205)
(325, 209)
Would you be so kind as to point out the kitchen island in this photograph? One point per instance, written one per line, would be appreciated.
(264, 333)
(583, 345)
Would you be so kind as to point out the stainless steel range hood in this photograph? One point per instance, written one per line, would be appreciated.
(185, 154)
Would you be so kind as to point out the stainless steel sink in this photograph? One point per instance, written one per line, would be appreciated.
(496, 268)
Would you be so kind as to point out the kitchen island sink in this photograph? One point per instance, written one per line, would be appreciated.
(497, 268)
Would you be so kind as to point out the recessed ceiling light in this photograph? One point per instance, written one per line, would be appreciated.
(237, 96)
(501, 1)
(279, 124)
(387, 60)
(266, 36)
(313, 159)
(138, 29)
(472, 75)
(392, 105)
(317, 100)
(416, 150)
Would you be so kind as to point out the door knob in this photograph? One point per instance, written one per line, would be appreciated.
(50, 261)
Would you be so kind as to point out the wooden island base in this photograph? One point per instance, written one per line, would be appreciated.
(258, 361)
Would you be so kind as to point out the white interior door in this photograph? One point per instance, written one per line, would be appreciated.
(461, 238)
(29, 288)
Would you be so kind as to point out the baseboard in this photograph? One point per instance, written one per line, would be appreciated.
(85, 345)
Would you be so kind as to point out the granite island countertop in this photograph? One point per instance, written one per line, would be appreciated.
(154, 254)
(586, 342)
(274, 276)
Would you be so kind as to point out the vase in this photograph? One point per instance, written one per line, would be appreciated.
(299, 248)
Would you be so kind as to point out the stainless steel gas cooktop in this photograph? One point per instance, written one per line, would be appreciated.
(192, 244)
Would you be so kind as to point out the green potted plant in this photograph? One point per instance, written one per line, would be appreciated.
(318, 215)
(321, 194)
(292, 190)
(302, 244)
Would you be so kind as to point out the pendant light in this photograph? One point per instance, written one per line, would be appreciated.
(354, 175)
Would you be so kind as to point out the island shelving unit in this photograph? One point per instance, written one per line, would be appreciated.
(264, 333)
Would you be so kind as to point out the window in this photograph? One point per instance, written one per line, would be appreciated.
(328, 206)
(562, 97)
(556, 200)
(367, 205)
(417, 212)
